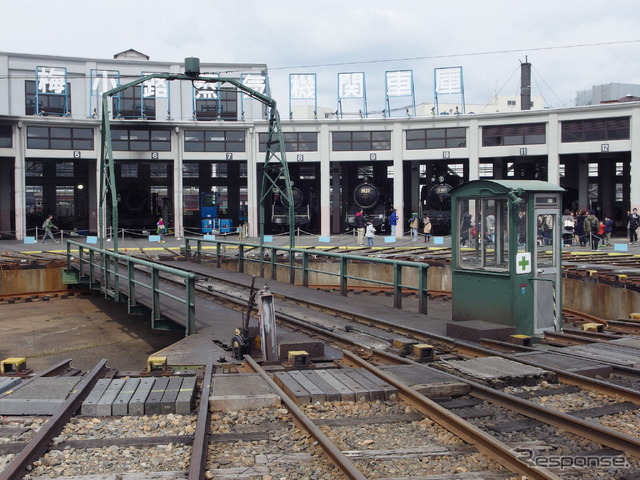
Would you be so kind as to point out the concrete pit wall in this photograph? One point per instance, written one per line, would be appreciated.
(602, 300)
(31, 280)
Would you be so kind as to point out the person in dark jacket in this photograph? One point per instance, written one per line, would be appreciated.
(360, 226)
(582, 235)
(465, 229)
(634, 223)
(591, 226)
(608, 229)
(393, 222)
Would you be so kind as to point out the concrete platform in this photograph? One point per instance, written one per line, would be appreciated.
(616, 354)
(140, 396)
(346, 384)
(499, 369)
(245, 391)
(474, 330)
(428, 381)
(7, 383)
(632, 341)
(41, 396)
(565, 362)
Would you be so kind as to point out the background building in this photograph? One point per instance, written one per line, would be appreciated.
(175, 141)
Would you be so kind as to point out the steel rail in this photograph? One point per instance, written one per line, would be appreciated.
(595, 335)
(578, 426)
(583, 316)
(199, 450)
(333, 452)
(472, 350)
(623, 326)
(485, 443)
(505, 347)
(39, 444)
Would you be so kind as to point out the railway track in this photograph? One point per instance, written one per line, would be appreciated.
(413, 440)
(66, 444)
(362, 334)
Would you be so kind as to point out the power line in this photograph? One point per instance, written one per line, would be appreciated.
(458, 55)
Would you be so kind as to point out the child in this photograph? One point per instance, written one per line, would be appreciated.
(370, 233)
(414, 223)
(427, 229)
(160, 230)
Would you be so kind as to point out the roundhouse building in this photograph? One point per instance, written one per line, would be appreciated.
(174, 141)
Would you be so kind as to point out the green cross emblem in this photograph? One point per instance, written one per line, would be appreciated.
(523, 263)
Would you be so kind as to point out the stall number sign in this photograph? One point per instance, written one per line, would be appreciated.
(523, 263)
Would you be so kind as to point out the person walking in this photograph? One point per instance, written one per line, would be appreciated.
(393, 221)
(427, 229)
(608, 229)
(490, 234)
(360, 224)
(567, 228)
(160, 230)
(48, 226)
(591, 227)
(465, 229)
(414, 223)
(634, 223)
(583, 236)
(370, 233)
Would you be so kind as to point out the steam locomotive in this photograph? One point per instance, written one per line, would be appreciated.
(372, 200)
(435, 201)
(138, 208)
(280, 208)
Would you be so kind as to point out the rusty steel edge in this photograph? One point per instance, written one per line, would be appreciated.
(335, 454)
(199, 450)
(495, 449)
(578, 426)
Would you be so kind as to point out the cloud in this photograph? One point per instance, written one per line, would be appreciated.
(310, 36)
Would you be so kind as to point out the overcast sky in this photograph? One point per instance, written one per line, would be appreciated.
(571, 44)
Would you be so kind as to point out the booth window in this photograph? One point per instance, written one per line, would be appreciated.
(546, 222)
(483, 233)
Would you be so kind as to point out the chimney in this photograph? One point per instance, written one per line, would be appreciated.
(525, 85)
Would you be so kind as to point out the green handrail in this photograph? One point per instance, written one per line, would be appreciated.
(86, 260)
(245, 249)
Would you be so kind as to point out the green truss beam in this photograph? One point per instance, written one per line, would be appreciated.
(275, 168)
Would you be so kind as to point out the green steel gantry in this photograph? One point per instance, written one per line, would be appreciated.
(275, 164)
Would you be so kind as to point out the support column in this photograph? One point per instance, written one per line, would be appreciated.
(583, 181)
(19, 172)
(178, 204)
(473, 139)
(553, 143)
(253, 192)
(398, 179)
(325, 182)
(635, 159)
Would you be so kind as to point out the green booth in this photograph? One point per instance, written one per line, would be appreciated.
(506, 254)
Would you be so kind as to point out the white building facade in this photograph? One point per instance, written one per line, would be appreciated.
(174, 141)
